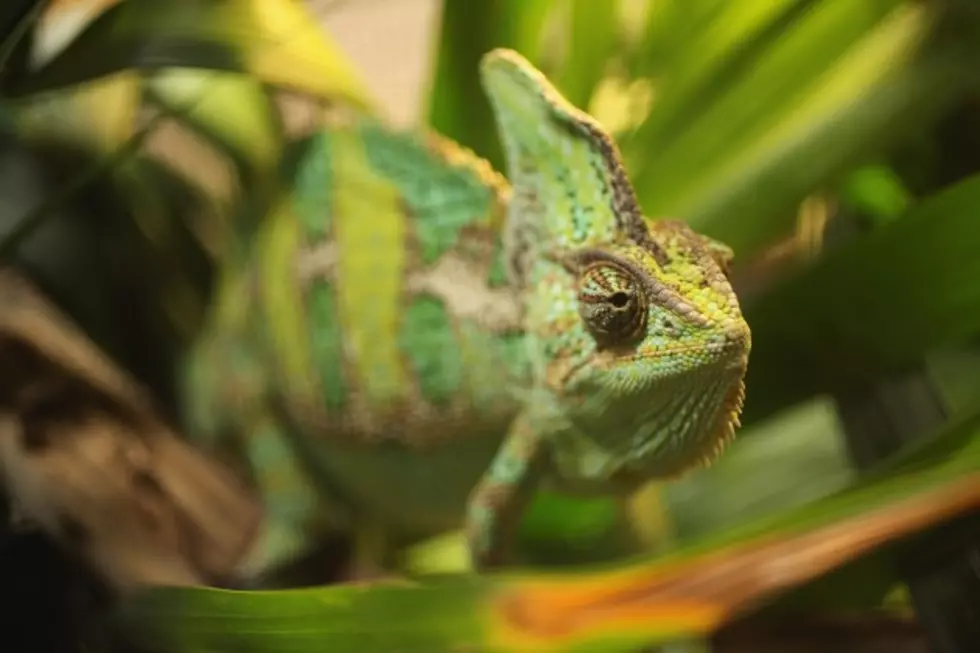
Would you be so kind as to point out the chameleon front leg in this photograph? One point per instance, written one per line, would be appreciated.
(495, 507)
(372, 554)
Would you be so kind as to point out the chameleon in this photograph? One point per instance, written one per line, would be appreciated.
(413, 342)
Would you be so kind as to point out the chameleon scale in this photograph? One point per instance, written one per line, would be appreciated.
(411, 342)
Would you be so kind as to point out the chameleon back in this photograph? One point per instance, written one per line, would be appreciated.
(374, 305)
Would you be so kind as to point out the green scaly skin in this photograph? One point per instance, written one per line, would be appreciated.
(412, 344)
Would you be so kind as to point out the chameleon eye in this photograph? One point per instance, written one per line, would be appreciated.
(611, 304)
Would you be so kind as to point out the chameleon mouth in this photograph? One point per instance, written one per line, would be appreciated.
(608, 360)
(730, 348)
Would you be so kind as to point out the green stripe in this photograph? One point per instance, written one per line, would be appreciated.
(428, 340)
(282, 303)
(312, 192)
(326, 342)
(442, 198)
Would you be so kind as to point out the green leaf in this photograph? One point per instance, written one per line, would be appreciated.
(879, 302)
(672, 27)
(278, 41)
(99, 115)
(458, 107)
(688, 593)
(803, 452)
(877, 192)
(592, 41)
(230, 110)
(832, 85)
(697, 53)
(954, 371)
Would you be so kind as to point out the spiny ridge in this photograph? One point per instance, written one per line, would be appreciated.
(725, 430)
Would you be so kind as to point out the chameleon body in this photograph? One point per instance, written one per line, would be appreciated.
(411, 342)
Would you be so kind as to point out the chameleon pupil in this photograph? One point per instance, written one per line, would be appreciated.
(609, 304)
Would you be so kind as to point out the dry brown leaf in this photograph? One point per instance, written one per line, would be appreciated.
(84, 453)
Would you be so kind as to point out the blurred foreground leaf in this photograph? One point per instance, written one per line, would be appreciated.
(686, 594)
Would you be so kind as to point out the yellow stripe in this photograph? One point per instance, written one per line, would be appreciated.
(369, 229)
(278, 240)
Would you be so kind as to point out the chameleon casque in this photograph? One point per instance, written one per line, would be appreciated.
(410, 343)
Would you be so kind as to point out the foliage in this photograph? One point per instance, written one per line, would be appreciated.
(618, 608)
(780, 96)
(140, 81)
(766, 125)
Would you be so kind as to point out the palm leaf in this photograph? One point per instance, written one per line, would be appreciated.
(687, 594)
(120, 80)
(276, 40)
(457, 106)
(825, 93)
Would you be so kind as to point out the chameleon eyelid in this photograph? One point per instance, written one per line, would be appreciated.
(656, 292)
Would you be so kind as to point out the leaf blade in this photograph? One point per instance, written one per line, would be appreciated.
(688, 593)
(848, 316)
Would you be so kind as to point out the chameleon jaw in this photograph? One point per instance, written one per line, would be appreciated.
(723, 432)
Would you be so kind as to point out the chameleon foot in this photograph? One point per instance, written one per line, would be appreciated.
(497, 503)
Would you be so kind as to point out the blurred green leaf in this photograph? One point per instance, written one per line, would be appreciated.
(876, 192)
(954, 371)
(671, 27)
(685, 594)
(805, 458)
(98, 115)
(231, 110)
(458, 107)
(874, 304)
(279, 41)
(558, 530)
(697, 53)
(830, 86)
(592, 41)
(235, 113)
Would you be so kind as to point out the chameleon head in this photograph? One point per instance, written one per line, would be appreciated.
(637, 341)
